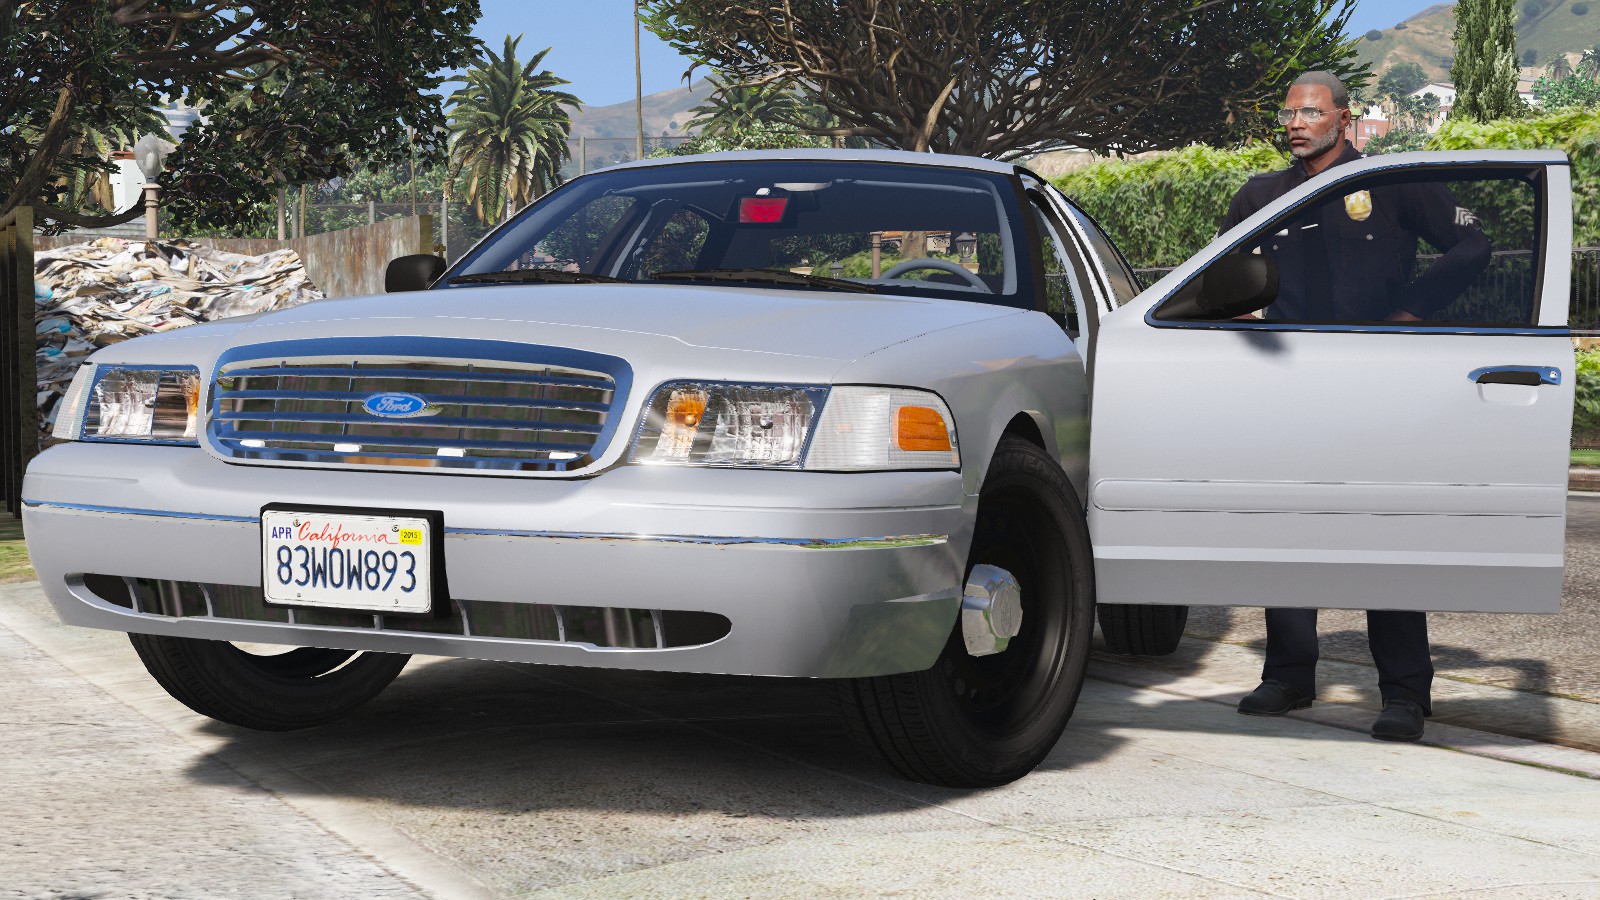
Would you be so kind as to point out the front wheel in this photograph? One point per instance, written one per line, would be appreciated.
(299, 688)
(983, 720)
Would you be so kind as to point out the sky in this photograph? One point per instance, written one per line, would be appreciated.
(592, 41)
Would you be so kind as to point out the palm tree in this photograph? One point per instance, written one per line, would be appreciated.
(508, 132)
(738, 107)
(1589, 65)
(1560, 69)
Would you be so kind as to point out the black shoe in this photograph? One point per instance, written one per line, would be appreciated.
(1401, 720)
(1273, 698)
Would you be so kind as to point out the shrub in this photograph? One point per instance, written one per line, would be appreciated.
(1586, 403)
(1374, 35)
(1399, 140)
(1400, 27)
(1580, 9)
(1530, 57)
(1161, 210)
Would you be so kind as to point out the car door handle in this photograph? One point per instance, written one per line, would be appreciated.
(1529, 375)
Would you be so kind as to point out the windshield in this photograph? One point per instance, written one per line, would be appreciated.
(791, 224)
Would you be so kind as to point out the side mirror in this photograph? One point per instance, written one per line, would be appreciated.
(412, 273)
(1234, 285)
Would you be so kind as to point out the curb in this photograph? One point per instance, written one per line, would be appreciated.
(1583, 478)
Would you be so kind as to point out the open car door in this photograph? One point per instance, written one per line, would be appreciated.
(1271, 427)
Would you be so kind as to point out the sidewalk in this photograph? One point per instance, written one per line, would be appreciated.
(477, 779)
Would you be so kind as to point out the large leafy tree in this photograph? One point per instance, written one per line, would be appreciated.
(1002, 78)
(293, 91)
(1400, 80)
(508, 132)
(1485, 69)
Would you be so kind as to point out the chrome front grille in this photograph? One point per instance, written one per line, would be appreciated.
(518, 416)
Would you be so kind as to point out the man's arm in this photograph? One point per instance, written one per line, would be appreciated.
(1431, 211)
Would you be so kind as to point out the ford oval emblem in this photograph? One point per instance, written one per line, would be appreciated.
(398, 406)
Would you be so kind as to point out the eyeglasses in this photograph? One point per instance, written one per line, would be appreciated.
(1311, 114)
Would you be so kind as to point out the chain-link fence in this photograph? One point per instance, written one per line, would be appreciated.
(590, 153)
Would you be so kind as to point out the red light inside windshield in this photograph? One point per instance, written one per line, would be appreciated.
(762, 209)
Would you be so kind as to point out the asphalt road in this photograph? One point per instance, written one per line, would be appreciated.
(1557, 654)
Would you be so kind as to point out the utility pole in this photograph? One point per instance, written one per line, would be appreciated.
(583, 155)
(283, 217)
(444, 217)
(638, 81)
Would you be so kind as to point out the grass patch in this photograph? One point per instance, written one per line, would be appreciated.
(1586, 457)
(14, 564)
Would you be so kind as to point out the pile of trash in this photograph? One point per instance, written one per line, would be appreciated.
(89, 295)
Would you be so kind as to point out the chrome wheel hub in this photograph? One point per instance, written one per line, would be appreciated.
(991, 610)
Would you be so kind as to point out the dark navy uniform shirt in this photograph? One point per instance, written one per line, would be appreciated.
(1353, 257)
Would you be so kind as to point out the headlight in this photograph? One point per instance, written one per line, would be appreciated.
(873, 428)
(718, 424)
(156, 404)
(859, 428)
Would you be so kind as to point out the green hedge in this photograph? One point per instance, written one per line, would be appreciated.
(1576, 131)
(1162, 210)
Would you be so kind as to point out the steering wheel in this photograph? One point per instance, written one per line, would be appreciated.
(943, 265)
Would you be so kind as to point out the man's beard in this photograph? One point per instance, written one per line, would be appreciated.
(1319, 144)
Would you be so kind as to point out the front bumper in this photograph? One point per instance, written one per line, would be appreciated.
(790, 558)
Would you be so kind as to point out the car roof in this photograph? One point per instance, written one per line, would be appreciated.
(905, 157)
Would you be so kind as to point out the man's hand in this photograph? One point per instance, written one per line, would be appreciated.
(1401, 315)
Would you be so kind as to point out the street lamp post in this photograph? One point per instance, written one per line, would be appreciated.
(150, 154)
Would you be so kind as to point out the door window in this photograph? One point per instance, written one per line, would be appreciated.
(1457, 247)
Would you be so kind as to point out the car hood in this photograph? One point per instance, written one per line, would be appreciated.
(624, 320)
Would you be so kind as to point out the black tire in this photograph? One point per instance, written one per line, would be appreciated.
(302, 688)
(1142, 630)
(983, 721)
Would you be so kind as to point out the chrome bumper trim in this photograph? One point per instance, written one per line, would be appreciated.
(134, 511)
(852, 543)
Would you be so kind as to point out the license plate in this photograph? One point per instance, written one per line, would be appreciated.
(376, 563)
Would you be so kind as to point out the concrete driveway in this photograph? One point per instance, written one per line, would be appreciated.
(477, 779)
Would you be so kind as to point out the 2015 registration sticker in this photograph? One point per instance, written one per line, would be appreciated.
(353, 561)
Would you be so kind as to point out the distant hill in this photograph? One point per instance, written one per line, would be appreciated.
(664, 111)
(1547, 27)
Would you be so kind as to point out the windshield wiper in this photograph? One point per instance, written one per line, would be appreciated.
(769, 276)
(543, 276)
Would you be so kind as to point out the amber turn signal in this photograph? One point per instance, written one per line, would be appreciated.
(920, 428)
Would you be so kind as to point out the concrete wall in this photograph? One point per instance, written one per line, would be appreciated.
(345, 263)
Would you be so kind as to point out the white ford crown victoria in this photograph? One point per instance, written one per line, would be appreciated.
(896, 420)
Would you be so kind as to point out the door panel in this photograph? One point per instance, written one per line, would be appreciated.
(1355, 464)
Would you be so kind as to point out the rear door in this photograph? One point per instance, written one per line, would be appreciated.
(1329, 450)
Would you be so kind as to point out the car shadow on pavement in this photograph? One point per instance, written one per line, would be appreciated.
(518, 738)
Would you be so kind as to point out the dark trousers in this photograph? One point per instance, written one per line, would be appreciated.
(1398, 640)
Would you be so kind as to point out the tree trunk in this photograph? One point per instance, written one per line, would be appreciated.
(46, 151)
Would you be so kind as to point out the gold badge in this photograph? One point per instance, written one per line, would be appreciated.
(1358, 205)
